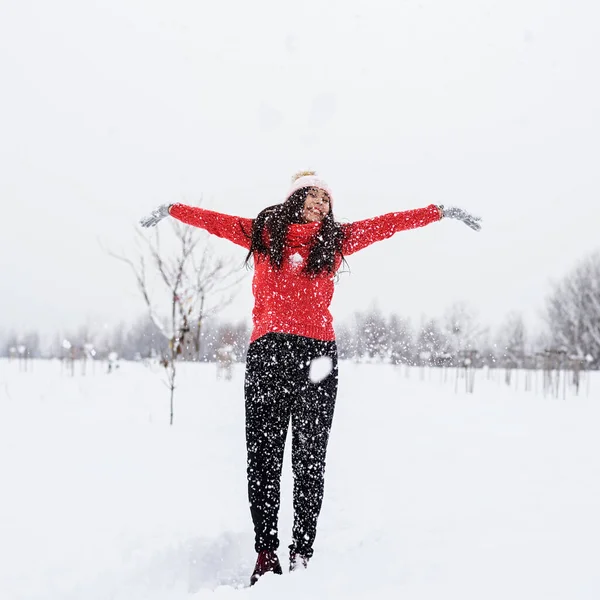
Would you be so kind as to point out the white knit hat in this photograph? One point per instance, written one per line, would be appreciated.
(305, 179)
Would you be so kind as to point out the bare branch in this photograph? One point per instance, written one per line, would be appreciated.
(140, 277)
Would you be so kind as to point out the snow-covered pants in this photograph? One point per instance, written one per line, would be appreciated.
(280, 384)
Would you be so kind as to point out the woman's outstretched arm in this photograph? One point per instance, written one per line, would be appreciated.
(235, 229)
(360, 234)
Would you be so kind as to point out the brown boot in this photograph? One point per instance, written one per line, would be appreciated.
(266, 562)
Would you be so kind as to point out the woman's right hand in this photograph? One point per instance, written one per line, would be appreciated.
(155, 216)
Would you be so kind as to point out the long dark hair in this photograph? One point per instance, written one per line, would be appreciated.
(276, 219)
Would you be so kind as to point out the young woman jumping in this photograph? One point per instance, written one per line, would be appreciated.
(296, 247)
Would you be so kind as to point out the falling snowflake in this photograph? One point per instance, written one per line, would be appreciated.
(320, 368)
(296, 260)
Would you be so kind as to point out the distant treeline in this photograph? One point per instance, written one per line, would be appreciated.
(570, 334)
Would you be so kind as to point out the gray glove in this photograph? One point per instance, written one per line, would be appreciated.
(453, 212)
(155, 216)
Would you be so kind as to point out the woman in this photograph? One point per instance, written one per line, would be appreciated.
(297, 247)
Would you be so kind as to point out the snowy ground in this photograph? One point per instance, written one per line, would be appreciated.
(431, 493)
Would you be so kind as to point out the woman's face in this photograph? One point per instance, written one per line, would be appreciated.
(316, 205)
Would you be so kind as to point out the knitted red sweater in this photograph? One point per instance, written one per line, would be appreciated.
(287, 300)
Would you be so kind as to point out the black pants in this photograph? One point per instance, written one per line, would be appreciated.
(279, 385)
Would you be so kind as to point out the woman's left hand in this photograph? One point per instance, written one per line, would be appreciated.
(155, 216)
(453, 212)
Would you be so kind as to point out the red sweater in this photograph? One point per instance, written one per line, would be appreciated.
(287, 300)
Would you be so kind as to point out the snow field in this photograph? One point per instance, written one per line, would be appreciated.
(430, 492)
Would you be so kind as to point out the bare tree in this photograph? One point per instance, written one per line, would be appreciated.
(512, 340)
(213, 280)
(461, 330)
(401, 340)
(432, 344)
(218, 334)
(573, 311)
(29, 343)
(346, 340)
(143, 341)
(193, 283)
(372, 334)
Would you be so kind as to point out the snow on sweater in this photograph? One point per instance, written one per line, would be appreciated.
(287, 300)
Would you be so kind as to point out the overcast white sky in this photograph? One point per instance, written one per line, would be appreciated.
(110, 107)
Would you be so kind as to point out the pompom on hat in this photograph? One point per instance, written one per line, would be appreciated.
(308, 179)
